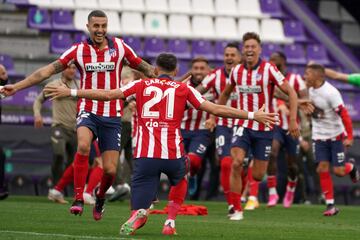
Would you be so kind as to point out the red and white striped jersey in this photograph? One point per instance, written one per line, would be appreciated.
(160, 104)
(100, 69)
(298, 84)
(195, 119)
(255, 88)
(217, 81)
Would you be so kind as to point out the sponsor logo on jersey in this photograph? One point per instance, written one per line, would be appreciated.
(249, 89)
(258, 77)
(100, 66)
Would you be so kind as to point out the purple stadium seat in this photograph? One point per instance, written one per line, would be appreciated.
(183, 67)
(62, 20)
(38, 18)
(219, 49)
(295, 29)
(60, 42)
(269, 48)
(317, 53)
(298, 69)
(8, 63)
(135, 44)
(154, 46)
(271, 7)
(80, 37)
(295, 54)
(180, 47)
(203, 48)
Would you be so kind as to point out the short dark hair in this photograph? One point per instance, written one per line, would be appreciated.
(251, 35)
(233, 45)
(317, 67)
(167, 62)
(199, 59)
(281, 54)
(96, 13)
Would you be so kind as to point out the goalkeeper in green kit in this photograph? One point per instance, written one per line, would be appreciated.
(353, 79)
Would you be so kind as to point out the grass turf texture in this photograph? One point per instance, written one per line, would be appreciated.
(37, 218)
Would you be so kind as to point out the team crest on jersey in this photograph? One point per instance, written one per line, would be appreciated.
(258, 77)
(112, 52)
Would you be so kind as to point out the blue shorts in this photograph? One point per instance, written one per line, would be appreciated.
(290, 144)
(106, 129)
(223, 136)
(329, 150)
(146, 178)
(196, 141)
(258, 141)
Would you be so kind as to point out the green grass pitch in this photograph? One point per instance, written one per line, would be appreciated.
(28, 218)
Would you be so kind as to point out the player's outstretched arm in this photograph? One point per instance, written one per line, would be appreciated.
(94, 94)
(36, 77)
(230, 112)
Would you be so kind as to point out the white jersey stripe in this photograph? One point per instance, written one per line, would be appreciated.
(177, 143)
(151, 146)
(255, 99)
(68, 51)
(79, 56)
(266, 93)
(164, 143)
(118, 73)
(139, 141)
(107, 58)
(94, 80)
(244, 96)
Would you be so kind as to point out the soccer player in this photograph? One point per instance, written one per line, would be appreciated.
(63, 127)
(254, 81)
(353, 79)
(99, 59)
(196, 137)
(282, 138)
(225, 127)
(160, 105)
(332, 133)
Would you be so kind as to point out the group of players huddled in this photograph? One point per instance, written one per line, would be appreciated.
(249, 106)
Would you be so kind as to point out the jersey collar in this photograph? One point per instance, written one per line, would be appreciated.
(109, 40)
(256, 65)
(165, 76)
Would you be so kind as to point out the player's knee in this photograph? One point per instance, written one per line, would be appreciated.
(83, 148)
(258, 176)
(339, 171)
(237, 165)
(322, 168)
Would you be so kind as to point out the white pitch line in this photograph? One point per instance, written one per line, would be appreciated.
(66, 235)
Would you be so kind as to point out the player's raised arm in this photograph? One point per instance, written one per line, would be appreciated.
(225, 95)
(94, 94)
(36, 77)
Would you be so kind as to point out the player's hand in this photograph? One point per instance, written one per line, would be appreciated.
(348, 142)
(294, 130)
(268, 119)
(38, 122)
(306, 106)
(57, 92)
(8, 90)
(210, 124)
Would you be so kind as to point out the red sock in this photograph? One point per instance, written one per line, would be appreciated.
(348, 167)
(236, 201)
(176, 198)
(327, 187)
(94, 179)
(225, 177)
(271, 181)
(81, 165)
(195, 163)
(66, 178)
(106, 182)
(253, 184)
(291, 185)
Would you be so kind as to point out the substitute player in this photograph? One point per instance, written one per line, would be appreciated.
(160, 105)
(99, 59)
(254, 81)
(332, 133)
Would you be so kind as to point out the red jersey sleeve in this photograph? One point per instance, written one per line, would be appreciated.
(194, 97)
(68, 56)
(131, 56)
(275, 75)
(209, 81)
(130, 88)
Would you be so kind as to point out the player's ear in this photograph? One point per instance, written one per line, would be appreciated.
(156, 71)
(176, 71)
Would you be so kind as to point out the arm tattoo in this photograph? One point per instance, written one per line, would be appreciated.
(147, 69)
(58, 67)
